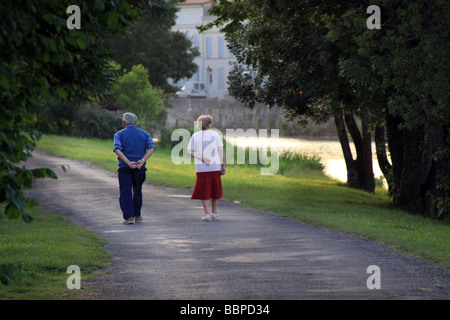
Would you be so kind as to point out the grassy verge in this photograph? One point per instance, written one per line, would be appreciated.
(301, 192)
(46, 247)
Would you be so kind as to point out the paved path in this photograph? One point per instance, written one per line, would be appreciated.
(246, 255)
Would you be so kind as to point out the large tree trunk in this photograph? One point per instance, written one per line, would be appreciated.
(404, 146)
(420, 169)
(359, 170)
(381, 152)
(436, 172)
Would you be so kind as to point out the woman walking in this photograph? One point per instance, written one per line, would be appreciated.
(206, 147)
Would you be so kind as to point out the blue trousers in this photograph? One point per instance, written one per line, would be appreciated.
(130, 184)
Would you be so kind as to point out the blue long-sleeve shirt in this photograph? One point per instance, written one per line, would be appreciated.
(133, 143)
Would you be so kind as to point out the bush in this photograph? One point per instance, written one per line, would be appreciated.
(93, 122)
(165, 141)
(290, 160)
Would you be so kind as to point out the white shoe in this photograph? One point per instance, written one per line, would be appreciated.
(206, 217)
(215, 216)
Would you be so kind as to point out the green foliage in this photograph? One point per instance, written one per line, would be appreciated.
(402, 71)
(15, 179)
(134, 93)
(57, 116)
(290, 161)
(170, 54)
(94, 122)
(9, 272)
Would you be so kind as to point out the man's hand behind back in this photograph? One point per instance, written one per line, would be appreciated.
(133, 165)
(139, 164)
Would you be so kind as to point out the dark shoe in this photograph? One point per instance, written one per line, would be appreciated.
(129, 221)
(138, 219)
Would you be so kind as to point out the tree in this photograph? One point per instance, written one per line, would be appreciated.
(419, 107)
(403, 68)
(285, 59)
(152, 43)
(133, 92)
(358, 64)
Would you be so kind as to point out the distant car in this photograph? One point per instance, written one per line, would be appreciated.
(192, 90)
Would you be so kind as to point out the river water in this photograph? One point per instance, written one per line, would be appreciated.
(329, 151)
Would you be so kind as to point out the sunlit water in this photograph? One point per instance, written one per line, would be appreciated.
(329, 151)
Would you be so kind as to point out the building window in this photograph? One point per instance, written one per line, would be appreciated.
(197, 41)
(221, 79)
(221, 47)
(208, 47)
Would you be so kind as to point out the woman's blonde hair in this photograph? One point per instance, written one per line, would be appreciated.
(204, 121)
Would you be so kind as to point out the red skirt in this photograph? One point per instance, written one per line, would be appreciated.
(208, 186)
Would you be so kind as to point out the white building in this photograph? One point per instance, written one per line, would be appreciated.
(214, 60)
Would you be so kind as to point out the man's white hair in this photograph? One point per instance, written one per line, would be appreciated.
(129, 118)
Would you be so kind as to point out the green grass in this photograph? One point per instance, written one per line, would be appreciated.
(300, 192)
(46, 247)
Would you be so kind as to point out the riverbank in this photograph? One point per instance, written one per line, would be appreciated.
(307, 195)
(329, 151)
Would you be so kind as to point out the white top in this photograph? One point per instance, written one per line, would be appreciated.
(206, 144)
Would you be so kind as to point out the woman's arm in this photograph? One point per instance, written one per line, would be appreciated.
(198, 156)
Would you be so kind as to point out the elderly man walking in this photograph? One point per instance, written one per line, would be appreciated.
(133, 147)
